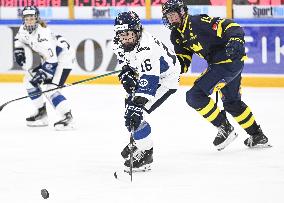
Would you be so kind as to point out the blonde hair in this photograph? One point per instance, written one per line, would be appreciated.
(42, 23)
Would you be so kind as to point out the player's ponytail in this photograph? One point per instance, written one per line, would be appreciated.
(42, 23)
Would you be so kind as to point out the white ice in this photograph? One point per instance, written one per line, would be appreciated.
(77, 166)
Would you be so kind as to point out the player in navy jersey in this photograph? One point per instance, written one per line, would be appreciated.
(221, 43)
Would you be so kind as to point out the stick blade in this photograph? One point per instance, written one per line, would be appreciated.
(122, 176)
(2, 106)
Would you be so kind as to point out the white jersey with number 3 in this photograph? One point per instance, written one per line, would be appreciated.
(154, 63)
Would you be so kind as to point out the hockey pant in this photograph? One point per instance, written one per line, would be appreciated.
(225, 78)
(56, 99)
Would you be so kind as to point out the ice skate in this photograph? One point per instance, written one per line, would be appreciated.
(142, 161)
(39, 119)
(258, 140)
(225, 136)
(66, 123)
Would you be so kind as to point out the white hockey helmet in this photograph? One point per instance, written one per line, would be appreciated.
(30, 11)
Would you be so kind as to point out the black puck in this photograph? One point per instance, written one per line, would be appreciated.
(44, 193)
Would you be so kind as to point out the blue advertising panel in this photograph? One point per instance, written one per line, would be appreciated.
(264, 47)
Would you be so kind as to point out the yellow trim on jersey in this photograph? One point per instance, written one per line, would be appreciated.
(249, 123)
(220, 29)
(185, 69)
(185, 56)
(232, 25)
(207, 108)
(225, 61)
(244, 115)
(244, 58)
(184, 26)
(213, 115)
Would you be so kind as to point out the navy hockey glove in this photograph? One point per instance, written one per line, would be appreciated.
(235, 48)
(133, 115)
(20, 57)
(43, 73)
(127, 79)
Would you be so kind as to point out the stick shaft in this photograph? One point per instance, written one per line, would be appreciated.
(60, 87)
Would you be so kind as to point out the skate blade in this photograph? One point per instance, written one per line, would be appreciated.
(144, 168)
(61, 127)
(228, 141)
(260, 146)
(38, 123)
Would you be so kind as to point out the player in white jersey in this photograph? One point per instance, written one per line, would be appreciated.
(57, 60)
(150, 74)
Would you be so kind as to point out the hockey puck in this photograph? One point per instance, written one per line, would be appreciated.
(115, 174)
(44, 193)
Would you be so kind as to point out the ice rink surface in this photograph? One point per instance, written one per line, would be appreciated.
(77, 166)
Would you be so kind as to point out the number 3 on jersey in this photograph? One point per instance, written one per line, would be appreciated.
(146, 66)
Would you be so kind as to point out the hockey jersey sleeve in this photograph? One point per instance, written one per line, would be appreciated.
(184, 55)
(223, 28)
(18, 40)
(18, 43)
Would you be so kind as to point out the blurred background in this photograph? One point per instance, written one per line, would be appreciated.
(88, 25)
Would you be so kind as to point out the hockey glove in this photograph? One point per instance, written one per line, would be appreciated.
(235, 48)
(43, 73)
(20, 57)
(127, 79)
(133, 115)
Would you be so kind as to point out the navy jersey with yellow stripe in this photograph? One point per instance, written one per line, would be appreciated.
(206, 37)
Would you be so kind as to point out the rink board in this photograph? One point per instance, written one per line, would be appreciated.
(91, 40)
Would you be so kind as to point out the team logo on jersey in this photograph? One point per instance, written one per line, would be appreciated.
(41, 39)
(215, 26)
(143, 82)
(142, 49)
(196, 47)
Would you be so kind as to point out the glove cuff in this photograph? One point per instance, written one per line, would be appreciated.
(237, 39)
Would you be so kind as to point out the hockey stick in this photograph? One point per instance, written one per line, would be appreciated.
(60, 87)
(131, 154)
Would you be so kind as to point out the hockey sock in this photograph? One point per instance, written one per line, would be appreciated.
(142, 136)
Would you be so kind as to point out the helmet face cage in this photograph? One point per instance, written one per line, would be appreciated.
(125, 22)
(30, 11)
(172, 6)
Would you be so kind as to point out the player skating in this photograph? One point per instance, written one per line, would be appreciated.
(57, 60)
(221, 43)
(150, 74)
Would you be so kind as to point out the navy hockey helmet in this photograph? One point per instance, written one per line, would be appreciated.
(124, 22)
(173, 6)
(30, 11)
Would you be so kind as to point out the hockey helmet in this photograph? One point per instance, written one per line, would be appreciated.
(30, 11)
(173, 6)
(128, 30)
